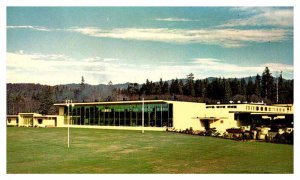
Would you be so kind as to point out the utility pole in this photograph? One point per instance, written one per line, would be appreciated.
(277, 93)
(143, 116)
(68, 103)
(276, 87)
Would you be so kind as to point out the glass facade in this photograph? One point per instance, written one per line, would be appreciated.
(155, 115)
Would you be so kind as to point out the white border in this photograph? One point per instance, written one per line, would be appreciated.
(3, 89)
(6, 3)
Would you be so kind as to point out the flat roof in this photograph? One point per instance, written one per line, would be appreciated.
(28, 113)
(261, 113)
(160, 101)
(271, 113)
(33, 115)
(253, 104)
(211, 118)
(114, 102)
(11, 115)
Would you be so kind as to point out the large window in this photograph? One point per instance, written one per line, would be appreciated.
(155, 115)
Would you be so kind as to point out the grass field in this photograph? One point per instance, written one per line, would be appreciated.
(44, 150)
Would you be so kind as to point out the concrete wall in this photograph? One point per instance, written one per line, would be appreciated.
(61, 110)
(225, 113)
(11, 121)
(49, 122)
(224, 120)
(24, 120)
(185, 115)
(46, 122)
(254, 108)
(60, 121)
(32, 119)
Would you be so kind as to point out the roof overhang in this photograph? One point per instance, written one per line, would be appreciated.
(261, 113)
(36, 115)
(210, 118)
(29, 114)
(270, 113)
(11, 116)
(115, 102)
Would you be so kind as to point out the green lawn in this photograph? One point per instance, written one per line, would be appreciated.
(44, 150)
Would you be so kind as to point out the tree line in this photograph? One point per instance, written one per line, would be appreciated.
(40, 98)
(260, 88)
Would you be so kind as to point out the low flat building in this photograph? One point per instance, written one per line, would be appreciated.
(12, 120)
(32, 120)
(159, 115)
(224, 116)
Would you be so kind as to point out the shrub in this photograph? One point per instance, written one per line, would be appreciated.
(285, 138)
(11, 125)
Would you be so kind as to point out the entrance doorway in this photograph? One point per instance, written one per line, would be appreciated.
(206, 124)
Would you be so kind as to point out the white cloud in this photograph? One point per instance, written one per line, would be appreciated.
(280, 67)
(224, 35)
(174, 19)
(37, 28)
(206, 61)
(99, 60)
(222, 67)
(228, 38)
(263, 17)
(34, 68)
(52, 69)
(229, 69)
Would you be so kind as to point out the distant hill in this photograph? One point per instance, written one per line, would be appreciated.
(210, 79)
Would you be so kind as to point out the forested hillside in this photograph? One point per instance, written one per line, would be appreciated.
(29, 97)
(40, 98)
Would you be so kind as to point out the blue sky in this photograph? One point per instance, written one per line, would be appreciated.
(57, 45)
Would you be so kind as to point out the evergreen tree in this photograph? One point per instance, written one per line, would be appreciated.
(290, 91)
(242, 90)
(159, 86)
(152, 87)
(227, 89)
(82, 95)
(216, 89)
(198, 88)
(147, 87)
(76, 94)
(189, 86)
(82, 84)
(176, 87)
(267, 84)
(112, 94)
(172, 87)
(280, 87)
(180, 87)
(257, 86)
(234, 86)
(133, 88)
(142, 90)
(204, 88)
(46, 100)
(250, 88)
(110, 88)
(165, 88)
